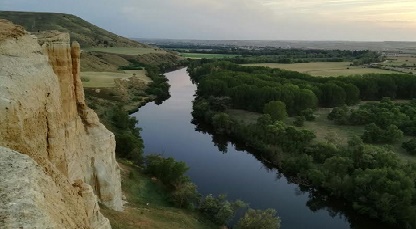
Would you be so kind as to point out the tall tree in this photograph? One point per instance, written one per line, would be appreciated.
(276, 110)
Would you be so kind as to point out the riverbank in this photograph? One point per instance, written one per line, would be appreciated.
(167, 129)
(147, 205)
(361, 175)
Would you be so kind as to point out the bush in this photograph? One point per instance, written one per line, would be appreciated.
(185, 195)
(299, 121)
(129, 146)
(170, 172)
(308, 114)
(339, 115)
(255, 219)
(410, 146)
(218, 209)
(375, 134)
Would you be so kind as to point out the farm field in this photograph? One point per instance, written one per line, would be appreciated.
(106, 79)
(325, 69)
(400, 61)
(206, 56)
(126, 50)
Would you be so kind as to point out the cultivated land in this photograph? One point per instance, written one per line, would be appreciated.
(325, 69)
(406, 60)
(147, 206)
(126, 50)
(106, 79)
(206, 56)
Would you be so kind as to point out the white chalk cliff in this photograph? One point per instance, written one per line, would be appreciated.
(57, 161)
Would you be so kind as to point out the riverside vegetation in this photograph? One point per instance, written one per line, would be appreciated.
(371, 173)
(174, 187)
(111, 57)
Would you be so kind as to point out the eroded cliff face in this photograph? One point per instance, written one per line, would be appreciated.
(70, 155)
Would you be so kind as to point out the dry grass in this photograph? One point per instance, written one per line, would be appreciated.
(106, 79)
(243, 116)
(327, 130)
(126, 50)
(325, 69)
(206, 56)
(400, 60)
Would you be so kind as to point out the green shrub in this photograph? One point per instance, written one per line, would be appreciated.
(255, 219)
(410, 146)
(299, 121)
(218, 209)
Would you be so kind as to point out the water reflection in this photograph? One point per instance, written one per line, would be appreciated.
(219, 166)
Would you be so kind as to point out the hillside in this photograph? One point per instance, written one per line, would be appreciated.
(87, 34)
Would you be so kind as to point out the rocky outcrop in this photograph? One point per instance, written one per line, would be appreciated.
(70, 155)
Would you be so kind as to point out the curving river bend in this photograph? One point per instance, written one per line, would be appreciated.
(167, 129)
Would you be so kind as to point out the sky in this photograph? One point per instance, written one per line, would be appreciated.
(355, 20)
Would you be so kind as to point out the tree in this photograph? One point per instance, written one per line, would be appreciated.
(264, 120)
(339, 115)
(218, 209)
(185, 195)
(276, 110)
(375, 134)
(222, 122)
(259, 219)
(332, 95)
(304, 99)
(170, 172)
(384, 193)
(410, 146)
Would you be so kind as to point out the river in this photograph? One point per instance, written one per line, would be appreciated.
(167, 129)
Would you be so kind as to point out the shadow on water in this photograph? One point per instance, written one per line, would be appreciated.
(220, 165)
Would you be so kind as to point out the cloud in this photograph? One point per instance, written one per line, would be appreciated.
(242, 19)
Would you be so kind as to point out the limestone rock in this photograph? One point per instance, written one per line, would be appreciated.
(43, 115)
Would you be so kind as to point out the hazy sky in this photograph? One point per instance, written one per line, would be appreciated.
(359, 20)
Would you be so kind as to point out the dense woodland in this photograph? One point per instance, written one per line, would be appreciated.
(366, 173)
(285, 55)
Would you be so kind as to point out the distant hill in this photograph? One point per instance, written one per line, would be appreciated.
(87, 34)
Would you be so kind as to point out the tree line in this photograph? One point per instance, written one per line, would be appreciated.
(371, 179)
(251, 87)
(183, 193)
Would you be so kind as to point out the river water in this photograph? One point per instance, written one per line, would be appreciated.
(167, 129)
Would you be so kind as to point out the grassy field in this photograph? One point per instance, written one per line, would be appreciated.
(106, 79)
(147, 206)
(324, 69)
(244, 116)
(324, 129)
(400, 61)
(126, 50)
(206, 56)
(327, 130)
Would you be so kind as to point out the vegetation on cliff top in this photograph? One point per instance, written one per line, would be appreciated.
(87, 34)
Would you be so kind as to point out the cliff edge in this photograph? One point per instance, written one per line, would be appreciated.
(57, 161)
